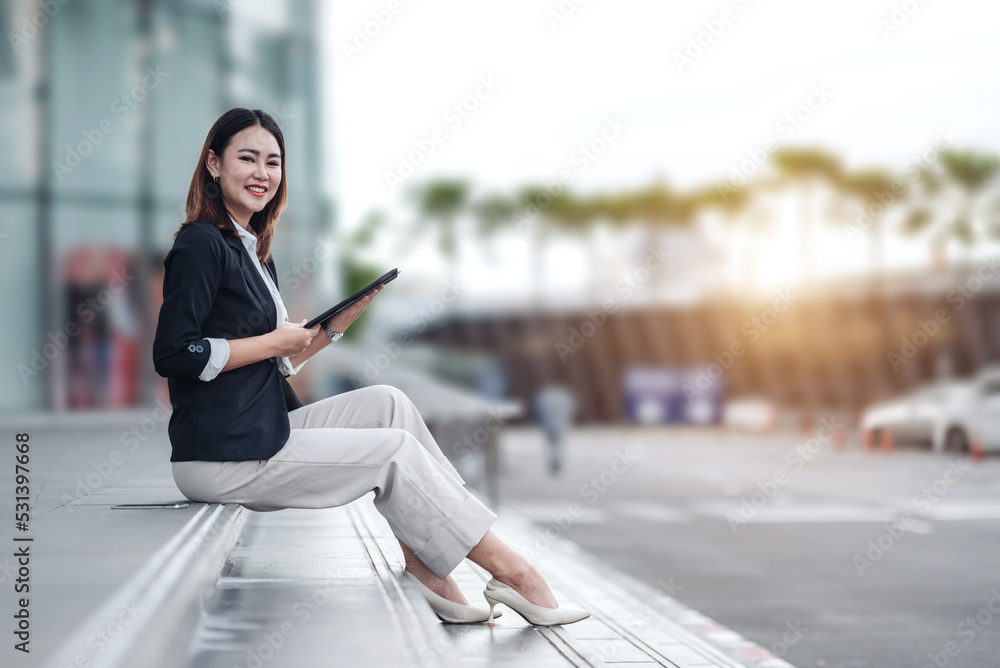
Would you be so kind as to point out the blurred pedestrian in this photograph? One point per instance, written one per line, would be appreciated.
(555, 407)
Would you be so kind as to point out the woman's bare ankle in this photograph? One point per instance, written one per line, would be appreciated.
(530, 584)
(515, 573)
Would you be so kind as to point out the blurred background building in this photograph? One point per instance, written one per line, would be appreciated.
(798, 277)
(700, 298)
(105, 107)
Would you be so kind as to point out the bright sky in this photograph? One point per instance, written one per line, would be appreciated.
(558, 86)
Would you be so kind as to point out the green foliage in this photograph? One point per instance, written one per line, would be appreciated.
(442, 202)
(916, 221)
(865, 185)
(969, 169)
(971, 172)
(439, 205)
(365, 234)
(961, 229)
(357, 275)
(808, 162)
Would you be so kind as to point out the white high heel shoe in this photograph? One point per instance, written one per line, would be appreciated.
(498, 592)
(449, 611)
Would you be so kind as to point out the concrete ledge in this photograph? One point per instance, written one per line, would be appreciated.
(304, 586)
(160, 604)
(631, 622)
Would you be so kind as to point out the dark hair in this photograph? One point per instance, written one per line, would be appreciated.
(204, 200)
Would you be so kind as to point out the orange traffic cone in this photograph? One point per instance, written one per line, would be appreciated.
(867, 440)
(886, 441)
(976, 448)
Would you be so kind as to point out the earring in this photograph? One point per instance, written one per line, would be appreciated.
(216, 179)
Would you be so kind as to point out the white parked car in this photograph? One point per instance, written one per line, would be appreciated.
(948, 415)
(931, 414)
(986, 418)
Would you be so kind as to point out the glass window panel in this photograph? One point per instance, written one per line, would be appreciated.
(187, 45)
(97, 98)
(19, 266)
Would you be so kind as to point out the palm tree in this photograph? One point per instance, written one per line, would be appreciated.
(439, 204)
(810, 167)
(965, 178)
(532, 210)
(868, 187)
(967, 175)
(493, 214)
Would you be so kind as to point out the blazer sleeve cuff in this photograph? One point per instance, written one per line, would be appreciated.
(217, 360)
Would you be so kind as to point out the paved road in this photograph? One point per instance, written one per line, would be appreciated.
(835, 558)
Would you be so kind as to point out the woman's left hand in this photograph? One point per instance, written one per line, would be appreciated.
(342, 320)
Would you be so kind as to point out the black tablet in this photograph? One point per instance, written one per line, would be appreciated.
(381, 280)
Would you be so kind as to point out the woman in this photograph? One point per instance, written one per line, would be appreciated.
(238, 432)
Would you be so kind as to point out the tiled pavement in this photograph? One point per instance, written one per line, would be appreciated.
(224, 586)
(303, 585)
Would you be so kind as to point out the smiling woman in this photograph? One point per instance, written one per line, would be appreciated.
(247, 170)
(243, 437)
(243, 153)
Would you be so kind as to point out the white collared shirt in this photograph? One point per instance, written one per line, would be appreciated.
(220, 347)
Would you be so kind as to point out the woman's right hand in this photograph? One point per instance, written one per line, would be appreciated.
(292, 338)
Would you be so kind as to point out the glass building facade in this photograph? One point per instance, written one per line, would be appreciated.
(105, 106)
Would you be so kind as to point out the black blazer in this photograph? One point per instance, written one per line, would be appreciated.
(211, 289)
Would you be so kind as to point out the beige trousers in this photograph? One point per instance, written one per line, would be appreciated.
(343, 447)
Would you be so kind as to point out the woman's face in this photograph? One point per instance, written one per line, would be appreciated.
(249, 171)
